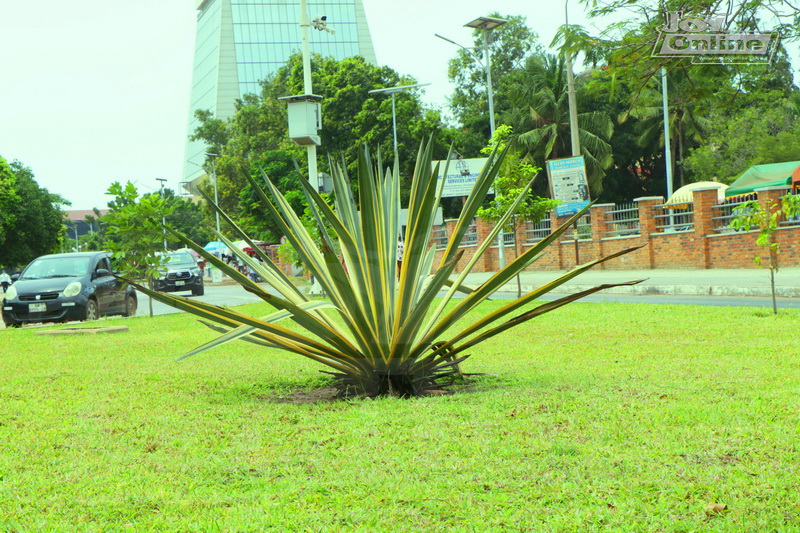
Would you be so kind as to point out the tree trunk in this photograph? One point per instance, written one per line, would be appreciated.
(150, 300)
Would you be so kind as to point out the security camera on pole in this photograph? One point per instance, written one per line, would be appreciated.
(305, 112)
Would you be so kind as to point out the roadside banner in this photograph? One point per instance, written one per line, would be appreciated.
(461, 175)
(568, 183)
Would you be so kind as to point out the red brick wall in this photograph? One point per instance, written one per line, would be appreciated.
(697, 248)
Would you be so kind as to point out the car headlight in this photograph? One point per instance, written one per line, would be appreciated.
(195, 271)
(73, 289)
(11, 293)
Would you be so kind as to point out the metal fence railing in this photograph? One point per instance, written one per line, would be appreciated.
(623, 220)
(439, 237)
(671, 220)
(471, 235)
(723, 214)
(538, 231)
(585, 227)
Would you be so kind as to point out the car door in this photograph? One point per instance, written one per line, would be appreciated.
(104, 286)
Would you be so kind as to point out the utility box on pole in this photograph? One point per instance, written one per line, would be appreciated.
(305, 118)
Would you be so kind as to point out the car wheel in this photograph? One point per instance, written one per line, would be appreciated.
(130, 305)
(199, 291)
(14, 325)
(92, 312)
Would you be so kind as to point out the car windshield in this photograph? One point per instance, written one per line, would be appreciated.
(182, 257)
(56, 267)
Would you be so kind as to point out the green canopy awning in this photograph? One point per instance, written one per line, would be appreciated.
(760, 176)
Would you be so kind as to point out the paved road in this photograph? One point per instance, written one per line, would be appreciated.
(229, 295)
(234, 295)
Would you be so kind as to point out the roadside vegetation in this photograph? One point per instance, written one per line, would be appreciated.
(602, 417)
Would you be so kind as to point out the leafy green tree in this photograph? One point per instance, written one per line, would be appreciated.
(510, 45)
(136, 235)
(539, 114)
(764, 130)
(628, 43)
(513, 180)
(36, 217)
(256, 139)
(766, 218)
(9, 199)
(185, 216)
(687, 104)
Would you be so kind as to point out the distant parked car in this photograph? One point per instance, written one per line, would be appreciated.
(64, 287)
(181, 273)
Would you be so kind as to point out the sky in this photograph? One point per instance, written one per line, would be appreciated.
(97, 91)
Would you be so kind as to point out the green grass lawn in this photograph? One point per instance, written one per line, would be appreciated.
(595, 417)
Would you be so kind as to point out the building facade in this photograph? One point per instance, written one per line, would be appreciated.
(241, 42)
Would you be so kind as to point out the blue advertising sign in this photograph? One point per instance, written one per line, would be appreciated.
(568, 183)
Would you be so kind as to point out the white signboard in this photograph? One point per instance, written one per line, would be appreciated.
(461, 176)
(569, 184)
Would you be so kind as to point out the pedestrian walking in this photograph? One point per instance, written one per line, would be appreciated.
(400, 250)
(5, 281)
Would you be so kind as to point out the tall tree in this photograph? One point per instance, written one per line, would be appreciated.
(765, 130)
(36, 217)
(9, 200)
(510, 45)
(539, 114)
(256, 136)
(687, 104)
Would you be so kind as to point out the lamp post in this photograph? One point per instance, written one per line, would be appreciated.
(216, 194)
(487, 24)
(573, 106)
(163, 218)
(393, 91)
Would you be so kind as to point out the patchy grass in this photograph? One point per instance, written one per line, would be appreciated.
(597, 417)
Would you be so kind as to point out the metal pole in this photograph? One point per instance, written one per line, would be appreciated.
(573, 106)
(489, 89)
(311, 149)
(573, 122)
(501, 251)
(394, 130)
(216, 195)
(163, 218)
(667, 142)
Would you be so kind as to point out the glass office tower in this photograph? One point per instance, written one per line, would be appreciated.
(241, 42)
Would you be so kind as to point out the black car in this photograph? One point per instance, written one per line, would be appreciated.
(181, 273)
(64, 287)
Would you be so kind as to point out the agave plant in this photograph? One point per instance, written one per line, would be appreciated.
(378, 331)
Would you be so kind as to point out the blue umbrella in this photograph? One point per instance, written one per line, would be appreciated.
(216, 247)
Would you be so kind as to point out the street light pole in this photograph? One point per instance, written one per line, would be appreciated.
(216, 194)
(392, 91)
(163, 218)
(573, 106)
(487, 24)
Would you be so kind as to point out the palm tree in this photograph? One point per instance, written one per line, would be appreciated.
(686, 99)
(540, 115)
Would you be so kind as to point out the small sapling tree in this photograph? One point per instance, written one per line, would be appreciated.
(135, 233)
(767, 218)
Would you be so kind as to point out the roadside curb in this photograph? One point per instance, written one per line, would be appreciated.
(84, 331)
(685, 290)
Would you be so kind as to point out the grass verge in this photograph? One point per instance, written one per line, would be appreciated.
(598, 417)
